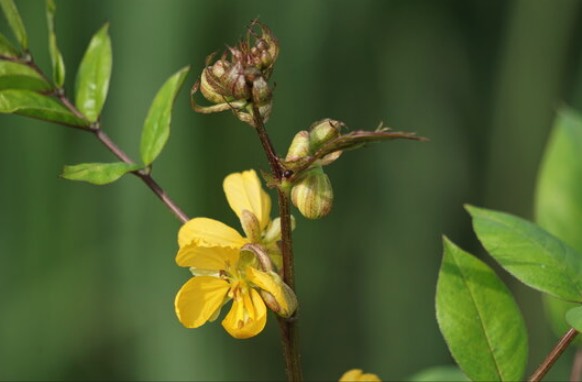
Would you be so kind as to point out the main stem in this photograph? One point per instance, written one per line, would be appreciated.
(288, 327)
(554, 355)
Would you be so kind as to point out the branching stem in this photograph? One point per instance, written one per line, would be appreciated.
(95, 128)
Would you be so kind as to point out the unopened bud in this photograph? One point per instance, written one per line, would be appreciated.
(284, 302)
(250, 225)
(323, 131)
(313, 195)
(299, 146)
(209, 88)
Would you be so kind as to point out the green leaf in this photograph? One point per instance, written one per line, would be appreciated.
(440, 373)
(558, 202)
(94, 74)
(479, 318)
(15, 22)
(56, 58)
(98, 173)
(6, 48)
(14, 75)
(31, 104)
(574, 318)
(533, 255)
(156, 129)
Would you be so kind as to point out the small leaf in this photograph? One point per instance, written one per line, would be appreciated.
(558, 202)
(156, 129)
(479, 318)
(14, 75)
(93, 76)
(31, 104)
(574, 318)
(98, 173)
(533, 255)
(16, 24)
(440, 373)
(56, 58)
(6, 48)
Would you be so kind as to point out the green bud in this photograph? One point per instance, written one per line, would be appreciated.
(323, 131)
(313, 194)
(250, 225)
(209, 89)
(299, 146)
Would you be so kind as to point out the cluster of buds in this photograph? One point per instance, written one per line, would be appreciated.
(311, 192)
(237, 81)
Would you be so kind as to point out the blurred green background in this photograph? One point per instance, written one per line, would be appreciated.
(87, 274)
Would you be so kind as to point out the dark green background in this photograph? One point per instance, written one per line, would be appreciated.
(87, 274)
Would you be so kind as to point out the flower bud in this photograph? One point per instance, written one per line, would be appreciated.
(250, 225)
(313, 195)
(299, 147)
(283, 301)
(323, 131)
(209, 88)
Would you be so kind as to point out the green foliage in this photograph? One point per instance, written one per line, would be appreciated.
(98, 173)
(56, 58)
(93, 75)
(479, 319)
(536, 257)
(31, 104)
(558, 204)
(574, 318)
(15, 22)
(156, 129)
(14, 75)
(6, 48)
(440, 373)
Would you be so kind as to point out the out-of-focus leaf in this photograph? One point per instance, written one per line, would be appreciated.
(439, 374)
(479, 318)
(15, 22)
(98, 173)
(31, 104)
(56, 58)
(574, 318)
(6, 48)
(558, 202)
(14, 75)
(533, 255)
(93, 76)
(156, 129)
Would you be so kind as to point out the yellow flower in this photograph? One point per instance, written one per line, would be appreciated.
(356, 375)
(224, 270)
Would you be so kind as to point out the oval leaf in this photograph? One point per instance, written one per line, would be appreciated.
(6, 48)
(93, 76)
(574, 318)
(533, 255)
(31, 104)
(156, 129)
(98, 173)
(15, 22)
(558, 199)
(56, 58)
(479, 318)
(19, 76)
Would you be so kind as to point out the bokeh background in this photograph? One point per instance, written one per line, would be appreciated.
(87, 273)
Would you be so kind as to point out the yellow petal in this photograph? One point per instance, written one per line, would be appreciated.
(238, 322)
(244, 192)
(207, 258)
(272, 283)
(356, 375)
(209, 233)
(199, 299)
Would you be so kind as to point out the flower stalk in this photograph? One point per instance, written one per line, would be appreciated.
(553, 356)
(288, 327)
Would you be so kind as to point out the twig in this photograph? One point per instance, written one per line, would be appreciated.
(554, 355)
